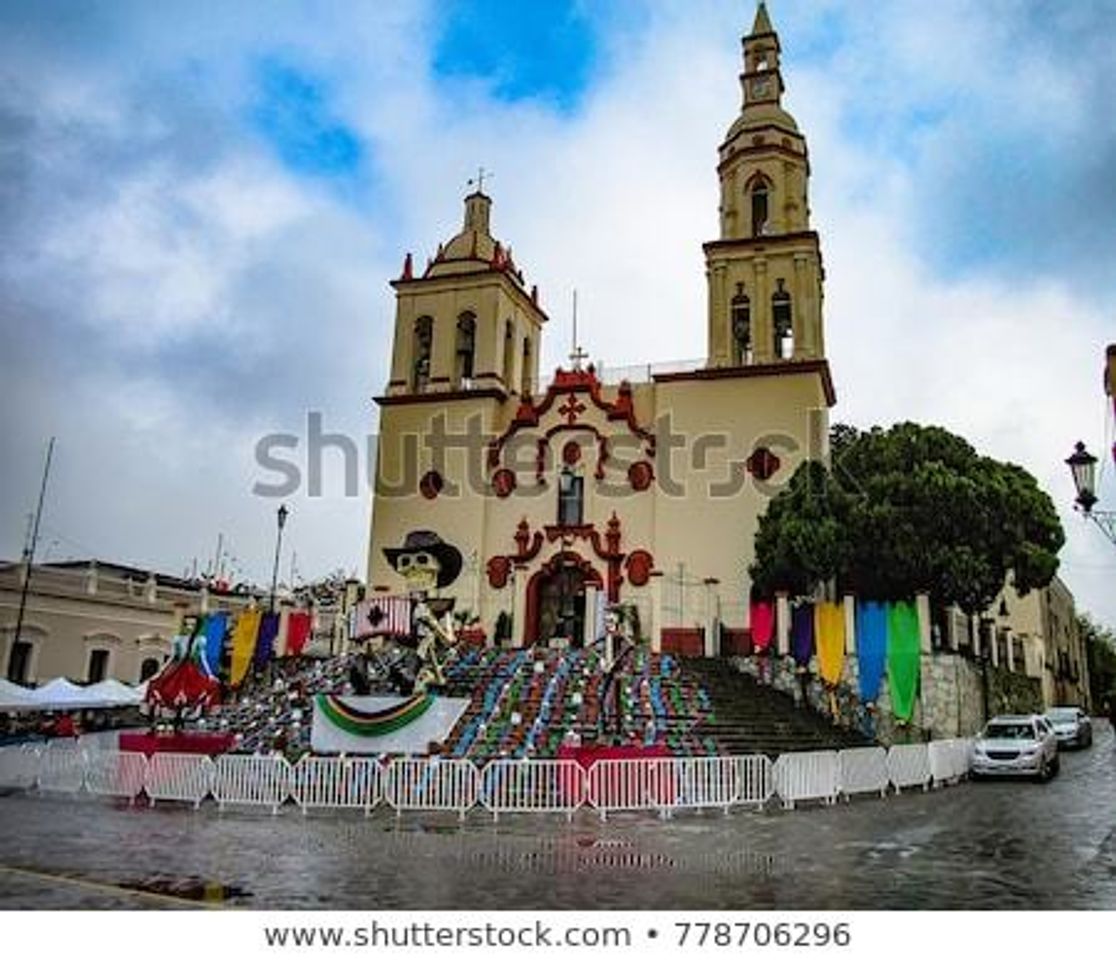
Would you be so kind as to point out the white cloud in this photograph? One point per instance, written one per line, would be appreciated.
(614, 199)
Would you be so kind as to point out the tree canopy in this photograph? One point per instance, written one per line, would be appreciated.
(912, 508)
(1100, 650)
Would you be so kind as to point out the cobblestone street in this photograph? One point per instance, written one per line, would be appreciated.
(975, 846)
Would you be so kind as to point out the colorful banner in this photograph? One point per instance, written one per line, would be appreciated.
(433, 725)
(373, 723)
(243, 645)
(265, 642)
(802, 633)
(871, 648)
(216, 625)
(903, 655)
(298, 632)
(830, 627)
(761, 618)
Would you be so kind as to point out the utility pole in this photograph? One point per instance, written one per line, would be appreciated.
(29, 551)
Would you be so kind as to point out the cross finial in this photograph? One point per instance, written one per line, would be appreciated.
(478, 181)
(576, 354)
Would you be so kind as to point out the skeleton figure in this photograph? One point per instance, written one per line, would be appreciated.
(426, 563)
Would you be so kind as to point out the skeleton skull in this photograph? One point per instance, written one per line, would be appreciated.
(420, 569)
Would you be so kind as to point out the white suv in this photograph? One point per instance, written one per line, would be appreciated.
(1016, 745)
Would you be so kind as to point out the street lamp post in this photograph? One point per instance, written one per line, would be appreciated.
(1083, 466)
(281, 520)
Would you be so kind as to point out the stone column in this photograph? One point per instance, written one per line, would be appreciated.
(850, 624)
(922, 603)
(1008, 645)
(782, 624)
(711, 620)
(589, 629)
(519, 607)
(763, 343)
(994, 653)
(973, 624)
(656, 611)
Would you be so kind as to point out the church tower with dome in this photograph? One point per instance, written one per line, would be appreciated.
(530, 501)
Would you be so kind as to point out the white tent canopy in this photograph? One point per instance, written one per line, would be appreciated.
(61, 694)
(15, 697)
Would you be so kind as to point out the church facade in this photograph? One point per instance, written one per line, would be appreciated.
(548, 494)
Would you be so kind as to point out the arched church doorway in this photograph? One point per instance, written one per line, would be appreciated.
(556, 599)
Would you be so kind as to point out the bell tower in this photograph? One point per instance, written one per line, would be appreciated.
(467, 322)
(765, 272)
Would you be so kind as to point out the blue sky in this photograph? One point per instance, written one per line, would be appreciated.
(201, 207)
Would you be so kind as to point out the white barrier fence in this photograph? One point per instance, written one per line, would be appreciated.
(112, 773)
(863, 770)
(503, 786)
(178, 776)
(251, 781)
(421, 784)
(62, 768)
(532, 786)
(908, 765)
(337, 783)
(807, 776)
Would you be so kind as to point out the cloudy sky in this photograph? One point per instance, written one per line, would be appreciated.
(201, 205)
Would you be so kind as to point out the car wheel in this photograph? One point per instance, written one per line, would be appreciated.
(1055, 766)
(1043, 773)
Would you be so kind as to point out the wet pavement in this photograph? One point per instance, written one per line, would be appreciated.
(998, 845)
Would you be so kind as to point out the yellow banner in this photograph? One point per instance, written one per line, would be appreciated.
(243, 644)
(829, 624)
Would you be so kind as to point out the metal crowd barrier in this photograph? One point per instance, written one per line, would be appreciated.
(342, 783)
(662, 784)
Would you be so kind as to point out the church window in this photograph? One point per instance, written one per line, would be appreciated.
(525, 374)
(571, 499)
(509, 354)
(782, 323)
(741, 326)
(98, 666)
(759, 207)
(19, 662)
(424, 338)
(466, 346)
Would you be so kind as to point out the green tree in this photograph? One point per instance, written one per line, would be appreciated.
(1100, 652)
(907, 509)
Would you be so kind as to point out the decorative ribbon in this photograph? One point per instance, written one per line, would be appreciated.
(903, 655)
(802, 633)
(830, 626)
(375, 723)
(762, 622)
(871, 648)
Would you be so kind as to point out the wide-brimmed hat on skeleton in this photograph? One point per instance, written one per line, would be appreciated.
(423, 549)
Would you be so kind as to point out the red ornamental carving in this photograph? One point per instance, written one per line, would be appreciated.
(503, 482)
(499, 572)
(572, 408)
(639, 566)
(571, 453)
(431, 484)
(640, 475)
(762, 464)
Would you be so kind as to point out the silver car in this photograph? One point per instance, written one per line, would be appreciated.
(1072, 726)
(1023, 745)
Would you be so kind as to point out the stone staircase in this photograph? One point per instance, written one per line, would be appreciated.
(749, 717)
